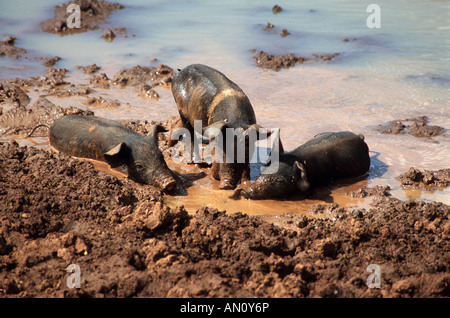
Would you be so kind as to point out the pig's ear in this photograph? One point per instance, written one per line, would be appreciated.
(212, 131)
(117, 155)
(154, 130)
(302, 183)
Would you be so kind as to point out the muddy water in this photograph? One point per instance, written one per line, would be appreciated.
(206, 192)
(401, 70)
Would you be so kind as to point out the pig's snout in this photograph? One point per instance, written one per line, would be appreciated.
(168, 184)
(238, 193)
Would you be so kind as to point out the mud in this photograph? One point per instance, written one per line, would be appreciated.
(50, 61)
(144, 75)
(8, 48)
(102, 102)
(269, 27)
(100, 80)
(11, 97)
(90, 69)
(110, 34)
(53, 78)
(428, 180)
(285, 61)
(94, 13)
(417, 127)
(144, 79)
(276, 9)
(18, 119)
(56, 211)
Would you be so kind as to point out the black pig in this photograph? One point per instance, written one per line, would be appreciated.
(321, 160)
(205, 94)
(107, 140)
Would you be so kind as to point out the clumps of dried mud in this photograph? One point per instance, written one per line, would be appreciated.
(56, 211)
(417, 127)
(53, 82)
(426, 179)
(8, 48)
(144, 79)
(17, 118)
(276, 9)
(274, 30)
(93, 13)
(110, 34)
(284, 61)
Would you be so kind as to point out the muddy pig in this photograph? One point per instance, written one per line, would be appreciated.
(205, 94)
(106, 140)
(321, 160)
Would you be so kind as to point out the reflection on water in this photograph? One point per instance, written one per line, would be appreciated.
(441, 195)
(398, 71)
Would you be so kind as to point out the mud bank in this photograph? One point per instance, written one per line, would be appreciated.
(93, 14)
(16, 118)
(56, 211)
(19, 116)
(8, 48)
(417, 127)
(429, 180)
(284, 61)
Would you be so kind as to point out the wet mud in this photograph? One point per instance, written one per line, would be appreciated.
(269, 27)
(18, 119)
(144, 79)
(138, 75)
(8, 48)
(93, 14)
(428, 180)
(110, 34)
(276, 9)
(417, 127)
(56, 211)
(285, 61)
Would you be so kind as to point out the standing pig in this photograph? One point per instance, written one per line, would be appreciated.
(106, 140)
(205, 94)
(322, 159)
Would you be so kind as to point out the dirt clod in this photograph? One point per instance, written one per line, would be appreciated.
(93, 13)
(138, 75)
(285, 61)
(426, 179)
(8, 48)
(276, 9)
(417, 127)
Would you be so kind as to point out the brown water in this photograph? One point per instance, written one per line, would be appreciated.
(399, 71)
(206, 192)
